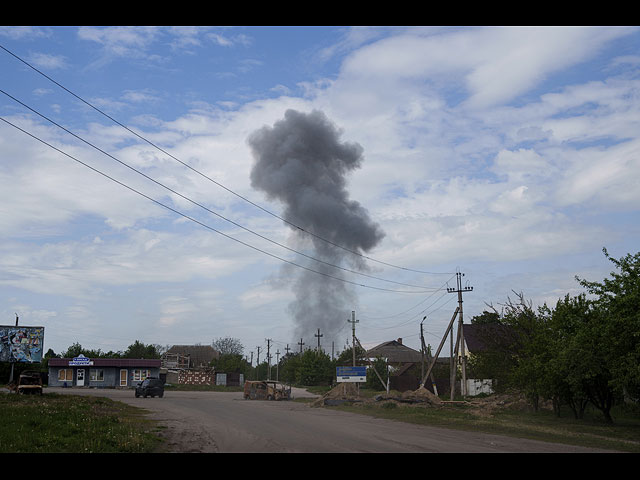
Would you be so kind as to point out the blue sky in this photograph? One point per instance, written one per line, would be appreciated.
(509, 154)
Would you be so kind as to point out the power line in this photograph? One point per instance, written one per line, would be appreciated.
(197, 221)
(411, 308)
(202, 206)
(291, 224)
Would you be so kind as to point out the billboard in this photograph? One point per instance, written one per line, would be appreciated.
(21, 344)
(351, 374)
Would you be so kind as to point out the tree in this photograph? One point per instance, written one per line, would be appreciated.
(227, 346)
(231, 363)
(565, 372)
(316, 368)
(139, 350)
(618, 298)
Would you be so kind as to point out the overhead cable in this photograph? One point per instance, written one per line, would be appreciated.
(291, 224)
(199, 222)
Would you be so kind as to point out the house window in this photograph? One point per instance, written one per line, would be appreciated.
(139, 375)
(96, 375)
(65, 375)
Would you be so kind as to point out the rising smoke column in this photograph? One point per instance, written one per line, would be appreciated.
(301, 163)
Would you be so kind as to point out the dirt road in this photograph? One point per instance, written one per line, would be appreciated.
(211, 422)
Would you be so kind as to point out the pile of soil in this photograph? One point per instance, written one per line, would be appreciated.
(421, 395)
(341, 393)
(349, 392)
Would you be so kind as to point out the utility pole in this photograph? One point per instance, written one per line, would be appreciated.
(444, 339)
(460, 340)
(425, 352)
(353, 322)
(301, 343)
(258, 363)
(277, 365)
(318, 335)
(268, 358)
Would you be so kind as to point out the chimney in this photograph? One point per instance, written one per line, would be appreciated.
(400, 341)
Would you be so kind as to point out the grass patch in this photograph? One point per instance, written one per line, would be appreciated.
(592, 431)
(54, 423)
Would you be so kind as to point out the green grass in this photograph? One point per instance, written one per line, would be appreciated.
(544, 425)
(53, 423)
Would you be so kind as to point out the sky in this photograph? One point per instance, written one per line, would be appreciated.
(176, 185)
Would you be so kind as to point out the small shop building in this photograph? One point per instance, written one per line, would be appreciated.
(101, 372)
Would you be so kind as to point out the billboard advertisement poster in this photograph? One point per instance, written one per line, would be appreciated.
(351, 374)
(21, 344)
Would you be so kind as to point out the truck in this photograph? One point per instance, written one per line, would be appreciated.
(30, 381)
(266, 390)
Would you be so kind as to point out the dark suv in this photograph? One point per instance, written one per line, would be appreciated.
(150, 387)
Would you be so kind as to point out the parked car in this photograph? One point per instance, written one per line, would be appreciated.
(150, 387)
(266, 390)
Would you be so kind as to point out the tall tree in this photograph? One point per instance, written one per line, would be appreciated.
(618, 298)
(227, 346)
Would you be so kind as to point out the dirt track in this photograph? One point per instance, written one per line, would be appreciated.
(211, 422)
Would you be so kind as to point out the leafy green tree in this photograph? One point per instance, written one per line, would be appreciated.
(345, 358)
(618, 297)
(232, 363)
(139, 350)
(289, 366)
(565, 380)
(373, 382)
(316, 368)
(228, 346)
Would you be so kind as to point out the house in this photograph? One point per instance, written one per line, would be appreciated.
(190, 356)
(401, 359)
(190, 364)
(101, 372)
(480, 337)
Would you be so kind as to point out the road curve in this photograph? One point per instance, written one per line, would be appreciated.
(212, 422)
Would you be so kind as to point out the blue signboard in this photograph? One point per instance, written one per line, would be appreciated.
(79, 361)
(351, 374)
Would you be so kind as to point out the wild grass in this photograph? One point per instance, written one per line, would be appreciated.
(53, 423)
(543, 425)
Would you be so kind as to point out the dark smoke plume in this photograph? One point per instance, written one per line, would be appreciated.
(301, 163)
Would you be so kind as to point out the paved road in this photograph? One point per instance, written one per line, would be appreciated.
(224, 422)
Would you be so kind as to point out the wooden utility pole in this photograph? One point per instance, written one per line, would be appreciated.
(277, 365)
(301, 343)
(444, 338)
(258, 363)
(460, 340)
(268, 359)
(318, 335)
(353, 322)
(425, 353)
